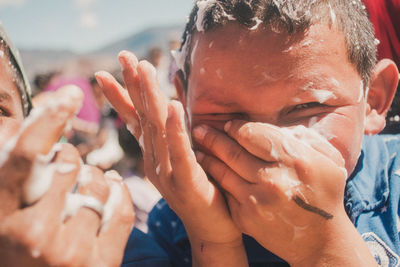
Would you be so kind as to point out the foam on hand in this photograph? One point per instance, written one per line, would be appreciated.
(41, 176)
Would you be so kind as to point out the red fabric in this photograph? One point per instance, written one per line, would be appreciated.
(385, 16)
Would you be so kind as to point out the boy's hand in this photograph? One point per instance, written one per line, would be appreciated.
(50, 227)
(170, 163)
(284, 187)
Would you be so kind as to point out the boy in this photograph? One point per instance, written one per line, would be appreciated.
(278, 95)
(53, 209)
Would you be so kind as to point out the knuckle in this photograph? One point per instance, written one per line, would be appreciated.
(235, 154)
(68, 153)
(210, 140)
(97, 186)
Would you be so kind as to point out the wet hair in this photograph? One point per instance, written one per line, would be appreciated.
(19, 78)
(289, 16)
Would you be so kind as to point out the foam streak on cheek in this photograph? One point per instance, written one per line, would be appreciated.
(361, 92)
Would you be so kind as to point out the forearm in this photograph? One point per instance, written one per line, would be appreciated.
(343, 246)
(214, 254)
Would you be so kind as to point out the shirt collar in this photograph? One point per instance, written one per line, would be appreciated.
(368, 187)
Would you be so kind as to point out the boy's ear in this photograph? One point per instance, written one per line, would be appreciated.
(180, 88)
(382, 88)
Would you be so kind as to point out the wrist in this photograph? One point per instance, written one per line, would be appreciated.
(339, 244)
(209, 253)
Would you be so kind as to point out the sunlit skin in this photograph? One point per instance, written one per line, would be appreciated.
(262, 81)
(35, 234)
(244, 88)
(11, 114)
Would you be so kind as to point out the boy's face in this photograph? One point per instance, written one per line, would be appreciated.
(263, 76)
(11, 114)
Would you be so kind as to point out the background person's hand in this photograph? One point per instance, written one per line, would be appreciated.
(284, 187)
(42, 221)
(170, 163)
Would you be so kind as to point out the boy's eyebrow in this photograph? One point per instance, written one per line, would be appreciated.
(5, 97)
(205, 96)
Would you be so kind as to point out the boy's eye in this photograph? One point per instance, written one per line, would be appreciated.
(306, 106)
(4, 113)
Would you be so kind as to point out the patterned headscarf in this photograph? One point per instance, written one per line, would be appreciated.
(20, 79)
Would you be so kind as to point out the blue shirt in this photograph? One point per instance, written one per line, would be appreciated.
(371, 200)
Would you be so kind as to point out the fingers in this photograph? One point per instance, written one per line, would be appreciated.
(80, 206)
(119, 217)
(36, 137)
(230, 152)
(37, 225)
(131, 77)
(153, 121)
(120, 100)
(183, 160)
(45, 125)
(256, 137)
(260, 139)
(224, 176)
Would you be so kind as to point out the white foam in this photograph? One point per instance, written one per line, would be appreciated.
(179, 56)
(306, 43)
(35, 253)
(194, 51)
(258, 22)
(110, 152)
(158, 169)
(323, 95)
(85, 175)
(361, 92)
(73, 202)
(41, 176)
(114, 198)
(65, 168)
(141, 142)
(1, 53)
(332, 13)
(203, 6)
(39, 182)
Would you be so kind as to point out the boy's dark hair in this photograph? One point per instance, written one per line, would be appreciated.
(291, 16)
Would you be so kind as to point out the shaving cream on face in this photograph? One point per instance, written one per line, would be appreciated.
(361, 92)
(332, 14)
(194, 51)
(323, 95)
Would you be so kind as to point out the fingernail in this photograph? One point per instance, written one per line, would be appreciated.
(199, 132)
(122, 60)
(98, 79)
(227, 126)
(199, 156)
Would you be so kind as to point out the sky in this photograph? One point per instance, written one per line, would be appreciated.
(85, 25)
